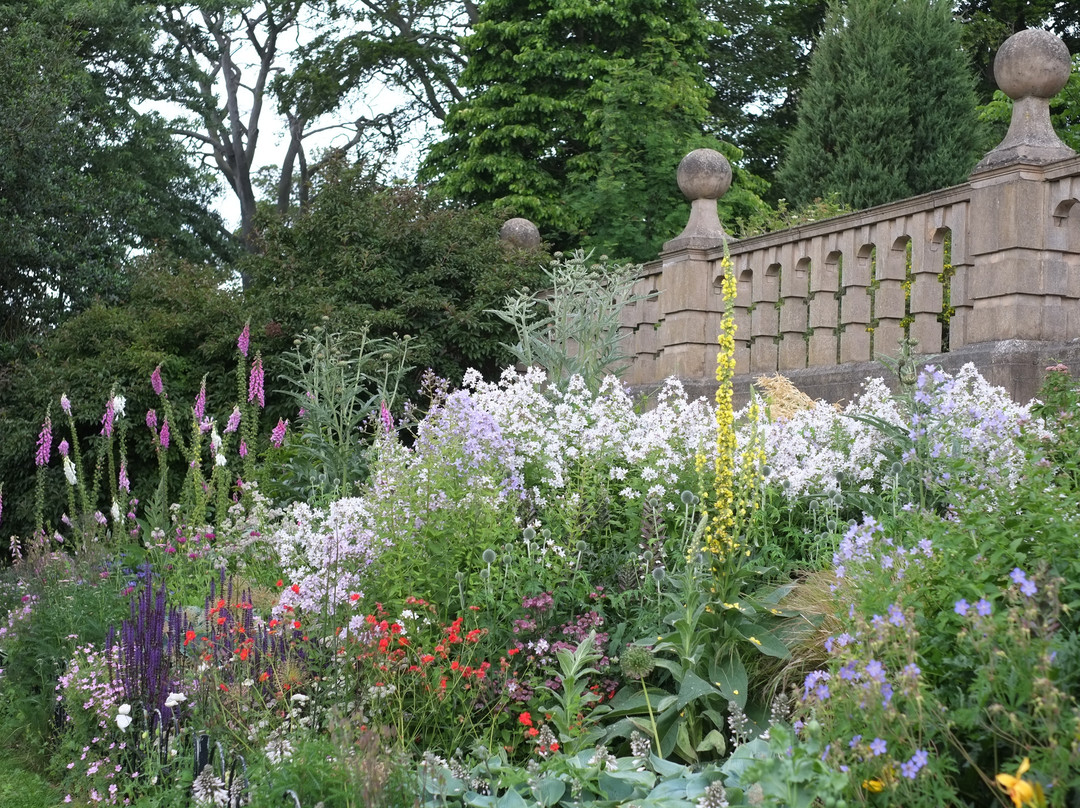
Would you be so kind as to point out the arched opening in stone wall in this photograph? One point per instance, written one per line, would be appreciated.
(943, 240)
(866, 264)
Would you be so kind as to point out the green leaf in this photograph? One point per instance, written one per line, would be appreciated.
(511, 799)
(667, 768)
(614, 788)
(548, 791)
(713, 742)
(682, 742)
(630, 700)
(692, 688)
(764, 640)
(729, 674)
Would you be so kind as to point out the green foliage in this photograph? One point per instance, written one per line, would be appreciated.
(576, 331)
(175, 315)
(394, 260)
(757, 68)
(342, 383)
(346, 768)
(84, 178)
(577, 118)
(784, 217)
(888, 109)
(56, 601)
(592, 776)
(795, 774)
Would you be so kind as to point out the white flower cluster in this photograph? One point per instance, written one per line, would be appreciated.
(810, 451)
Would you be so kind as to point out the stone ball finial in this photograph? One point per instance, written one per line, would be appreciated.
(1032, 63)
(704, 174)
(1030, 67)
(520, 233)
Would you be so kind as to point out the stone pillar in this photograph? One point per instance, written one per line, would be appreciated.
(685, 292)
(824, 307)
(794, 287)
(765, 318)
(1019, 288)
(855, 302)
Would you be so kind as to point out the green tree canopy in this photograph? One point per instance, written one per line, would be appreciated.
(757, 67)
(84, 177)
(394, 258)
(888, 111)
(577, 116)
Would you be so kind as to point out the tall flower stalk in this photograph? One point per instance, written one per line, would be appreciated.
(718, 504)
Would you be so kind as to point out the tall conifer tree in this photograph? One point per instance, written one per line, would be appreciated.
(889, 109)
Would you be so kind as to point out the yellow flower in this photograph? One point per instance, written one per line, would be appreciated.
(1019, 790)
(874, 786)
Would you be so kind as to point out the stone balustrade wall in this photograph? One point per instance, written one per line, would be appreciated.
(996, 259)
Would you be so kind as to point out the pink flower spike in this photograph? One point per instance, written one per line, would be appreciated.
(243, 449)
(151, 419)
(164, 439)
(44, 444)
(200, 402)
(255, 383)
(387, 418)
(63, 448)
(277, 437)
(155, 380)
(244, 339)
(124, 483)
(234, 420)
(65, 404)
(107, 419)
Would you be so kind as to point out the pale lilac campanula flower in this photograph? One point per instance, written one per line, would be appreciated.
(155, 380)
(277, 436)
(255, 383)
(244, 340)
(44, 444)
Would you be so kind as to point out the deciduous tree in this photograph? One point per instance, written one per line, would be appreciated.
(576, 117)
